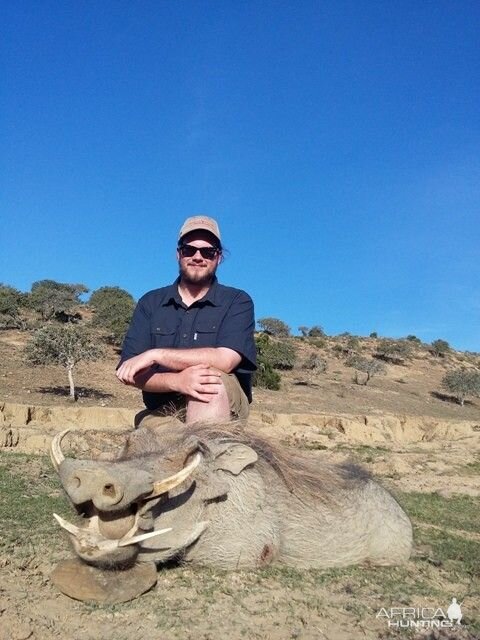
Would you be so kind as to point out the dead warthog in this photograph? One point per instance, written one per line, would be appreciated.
(227, 498)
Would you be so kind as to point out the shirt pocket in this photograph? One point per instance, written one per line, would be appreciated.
(163, 337)
(205, 333)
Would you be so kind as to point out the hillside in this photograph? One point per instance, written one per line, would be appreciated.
(412, 387)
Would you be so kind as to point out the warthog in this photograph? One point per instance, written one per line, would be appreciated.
(227, 498)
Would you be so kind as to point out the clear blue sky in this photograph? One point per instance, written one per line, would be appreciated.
(336, 142)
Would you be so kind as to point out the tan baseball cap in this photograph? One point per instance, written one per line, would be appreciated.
(200, 222)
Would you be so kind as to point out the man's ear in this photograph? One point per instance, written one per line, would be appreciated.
(234, 457)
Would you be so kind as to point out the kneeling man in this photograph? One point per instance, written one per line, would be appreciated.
(191, 344)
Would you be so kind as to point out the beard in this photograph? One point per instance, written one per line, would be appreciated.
(197, 276)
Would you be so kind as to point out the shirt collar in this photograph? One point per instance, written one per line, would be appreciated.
(173, 297)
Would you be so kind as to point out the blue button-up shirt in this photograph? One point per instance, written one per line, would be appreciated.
(224, 317)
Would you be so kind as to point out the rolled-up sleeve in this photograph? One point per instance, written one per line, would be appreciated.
(237, 331)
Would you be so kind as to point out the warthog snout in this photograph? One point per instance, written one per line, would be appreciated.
(95, 485)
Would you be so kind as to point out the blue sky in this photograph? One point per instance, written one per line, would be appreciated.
(336, 142)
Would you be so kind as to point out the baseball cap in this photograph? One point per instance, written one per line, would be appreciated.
(200, 222)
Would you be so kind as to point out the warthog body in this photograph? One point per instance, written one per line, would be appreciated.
(240, 503)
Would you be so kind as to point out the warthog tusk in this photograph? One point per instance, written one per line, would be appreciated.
(144, 536)
(170, 483)
(56, 455)
(94, 539)
(71, 528)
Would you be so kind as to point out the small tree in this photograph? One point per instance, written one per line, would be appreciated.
(462, 383)
(64, 345)
(395, 351)
(274, 327)
(370, 367)
(303, 330)
(56, 300)
(316, 332)
(113, 311)
(439, 348)
(11, 303)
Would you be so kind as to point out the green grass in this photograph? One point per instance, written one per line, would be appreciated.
(364, 453)
(30, 493)
(458, 512)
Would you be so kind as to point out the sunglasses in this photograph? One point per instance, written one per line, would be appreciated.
(207, 253)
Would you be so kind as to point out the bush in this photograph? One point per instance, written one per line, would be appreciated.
(370, 367)
(113, 309)
(274, 327)
(461, 383)
(64, 345)
(265, 376)
(374, 334)
(315, 362)
(412, 338)
(56, 300)
(281, 355)
(316, 332)
(395, 351)
(439, 348)
(11, 303)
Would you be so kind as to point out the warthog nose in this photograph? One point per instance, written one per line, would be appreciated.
(101, 488)
(109, 490)
(111, 493)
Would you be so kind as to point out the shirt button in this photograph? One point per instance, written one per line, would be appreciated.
(184, 335)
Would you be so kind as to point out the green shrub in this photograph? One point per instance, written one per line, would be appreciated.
(265, 376)
(281, 355)
(12, 302)
(462, 382)
(439, 348)
(65, 345)
(113, 311)
(56, 300)
(395, 351)
(274, 327)
(370, 367)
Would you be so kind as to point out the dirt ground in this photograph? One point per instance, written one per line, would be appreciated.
(415, 440)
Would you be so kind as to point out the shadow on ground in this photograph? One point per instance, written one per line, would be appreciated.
(447, 398)
(80, 392)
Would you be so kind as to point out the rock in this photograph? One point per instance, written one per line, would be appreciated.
(81, 581)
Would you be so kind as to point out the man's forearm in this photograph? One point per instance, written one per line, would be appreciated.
(157, 382)
(220, 358)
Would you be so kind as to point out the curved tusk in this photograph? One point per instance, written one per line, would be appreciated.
(170, 483)
(143, 536)
(56, 455)
(71, 528)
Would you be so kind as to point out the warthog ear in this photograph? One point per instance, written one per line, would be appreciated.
(234, 457)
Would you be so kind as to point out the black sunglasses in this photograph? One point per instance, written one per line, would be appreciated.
(207, 253)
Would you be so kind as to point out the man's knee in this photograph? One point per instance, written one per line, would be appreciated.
(237, 400)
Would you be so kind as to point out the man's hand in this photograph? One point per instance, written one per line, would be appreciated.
(128, 370)
(200, 382)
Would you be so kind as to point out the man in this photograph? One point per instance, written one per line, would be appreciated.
(191, 344)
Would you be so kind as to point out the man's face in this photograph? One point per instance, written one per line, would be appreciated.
(196, 269)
